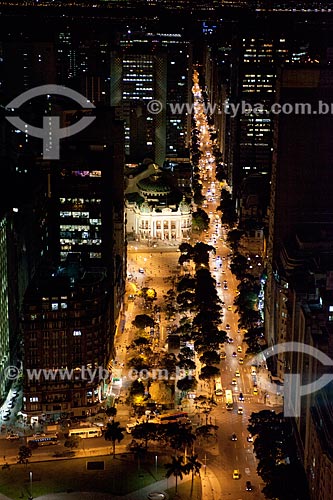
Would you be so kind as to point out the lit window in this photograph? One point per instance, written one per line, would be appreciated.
(54, 306)
(77, 333)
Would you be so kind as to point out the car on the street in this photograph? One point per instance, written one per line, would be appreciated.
(225, 287)
(229, 308)
(156, 495)
(12, 437)
(233, 437)
(218, 283)
(241, 361)
(141, 270)
(248, 486)
(234, 381)
(250, 438)
(237, 373)
(129, 428)
(241, 397)
(227, 326)
(234, 354)
(240, 410)
(239, 348)
(235, 474)
(255, 390)
(223, 355)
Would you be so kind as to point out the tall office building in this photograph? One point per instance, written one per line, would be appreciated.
(255, 58)
(301, 181)
(87, 195)
(4, 309)
(27, 64)
(67, 330)
(83, 63)
(74, 305)
(146, 67)
(23, 240)
(298, 294)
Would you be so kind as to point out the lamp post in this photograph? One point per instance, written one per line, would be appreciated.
(30, 475)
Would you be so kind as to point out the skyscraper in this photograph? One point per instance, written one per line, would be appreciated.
(255, 58)
(301, 181)
(146, 67)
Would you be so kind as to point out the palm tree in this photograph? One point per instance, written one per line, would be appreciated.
(182, 437)
(114, 433)
(194, 466)
(176, 468)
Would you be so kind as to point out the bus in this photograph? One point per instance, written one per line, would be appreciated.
(218, 387)
(46, 440)
(229, 402)
(85, 432)
(173, 417)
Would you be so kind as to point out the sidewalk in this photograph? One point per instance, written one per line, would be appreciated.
(211, 489)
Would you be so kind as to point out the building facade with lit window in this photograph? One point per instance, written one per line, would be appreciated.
(5, 356)
(152, 67)
(255, 58)
(67, 332)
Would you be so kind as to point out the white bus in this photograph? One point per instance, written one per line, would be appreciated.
(85, 432)
(218, 387)
(229, 402)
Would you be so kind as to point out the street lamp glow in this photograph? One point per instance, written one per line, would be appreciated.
(30, 476)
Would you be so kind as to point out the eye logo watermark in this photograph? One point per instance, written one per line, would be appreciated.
(292, 389)
(51, 133)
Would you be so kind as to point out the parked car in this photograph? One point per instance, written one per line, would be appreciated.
(233, 437)
(12, 437)
(240, 411)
